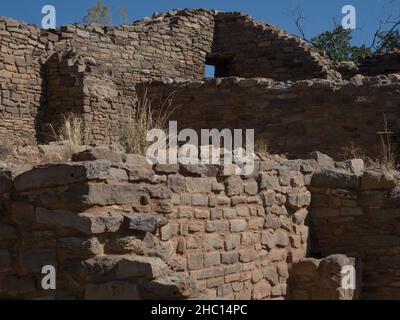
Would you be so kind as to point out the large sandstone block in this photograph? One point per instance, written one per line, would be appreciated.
(373, 180)
(61, 174)
(77, 197)
(334, 179)
(99, 153)
(88, 223)
(171, 287)
(122, 267)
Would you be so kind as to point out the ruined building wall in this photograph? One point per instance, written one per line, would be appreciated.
(21, 82)
(77, 85)
(247, 48)
(381, 64)
(358, 214)
(39, 81)
(294, 118)
(125, 230)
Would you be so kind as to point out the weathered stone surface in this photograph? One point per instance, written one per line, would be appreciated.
(233, 185)
(322, 159)
(377, 180)
(196, 170)
(271, 274)
(80, 247)
(141, 222)
(115, 290)
(212, 241)
(272, 221)
(195, 259)
(166, 168)
(34, 260)
(233, 233)
(299, 200)
(52, 175)
(269, 182)
(171, 287)
(238, 225)
(88, 223)
(300, 215)
(355, 166)
(81, 196)
(177, 183)
(261, 290)
(335, 180)
(99, 153)
(136, 161)
(137, 266)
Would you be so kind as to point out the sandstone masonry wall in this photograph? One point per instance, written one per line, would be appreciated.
(321, 279)
(293, 117)
(121, 229)
(168, 45)
(247, 48)
(21, 81)
(358, 215)
(381, 64)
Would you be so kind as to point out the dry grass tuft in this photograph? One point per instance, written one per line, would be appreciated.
(388, 158)
(261, 147)
(141, 119)
(70, 136)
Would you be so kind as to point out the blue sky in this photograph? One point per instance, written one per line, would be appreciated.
(319, 13)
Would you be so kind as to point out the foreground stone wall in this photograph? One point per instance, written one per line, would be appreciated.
(321, 279)
(115, 227)
(293, 118)
(121, 229)
(358, 214)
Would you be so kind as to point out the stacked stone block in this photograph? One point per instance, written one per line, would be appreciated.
(122, 229)
(358, 214)
(291, 117)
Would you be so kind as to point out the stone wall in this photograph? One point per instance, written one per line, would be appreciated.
(122, 229)
(174, 44)
(381, 64)
(358, 214)
(21, 81)
(79, 86)
(47, 74)
(115, 227)
(247, 48)
(292, 117)
(321, 279)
